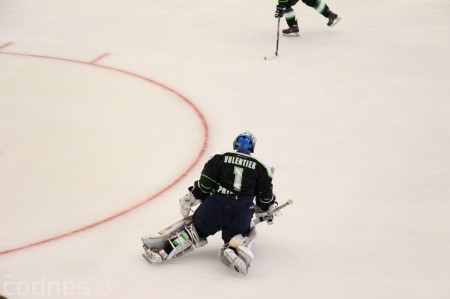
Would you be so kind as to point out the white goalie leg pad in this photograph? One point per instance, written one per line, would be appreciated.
(238, 253)
(197, 241)
(243, 246)
(234, 261)
(222, 257)
(247, 241)
(185, 241)
(179, 243)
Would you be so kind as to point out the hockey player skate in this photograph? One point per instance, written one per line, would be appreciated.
(172, 242)
(291, 31)
(237, 254)
(333, 19)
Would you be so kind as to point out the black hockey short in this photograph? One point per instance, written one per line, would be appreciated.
(288, 3)
(230, 215)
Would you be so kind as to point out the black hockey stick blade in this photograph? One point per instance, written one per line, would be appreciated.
(270, 57)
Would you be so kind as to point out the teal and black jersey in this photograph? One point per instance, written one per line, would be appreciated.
(240, 174)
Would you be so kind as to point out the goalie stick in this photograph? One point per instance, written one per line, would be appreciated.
(274, 211)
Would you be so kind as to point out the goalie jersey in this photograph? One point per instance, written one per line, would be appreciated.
(237, 174)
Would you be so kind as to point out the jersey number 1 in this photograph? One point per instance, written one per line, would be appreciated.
(238, 172)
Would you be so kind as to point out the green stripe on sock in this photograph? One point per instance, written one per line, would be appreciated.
(320, 7)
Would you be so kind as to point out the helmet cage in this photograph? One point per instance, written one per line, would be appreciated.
(245, 143)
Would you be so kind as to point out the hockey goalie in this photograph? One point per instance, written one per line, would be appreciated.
(233, 187)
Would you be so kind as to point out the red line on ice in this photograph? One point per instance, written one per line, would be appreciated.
(98, 58)
(160, 192)
(5, 45)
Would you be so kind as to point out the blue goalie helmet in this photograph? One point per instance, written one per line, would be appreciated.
(245, 142)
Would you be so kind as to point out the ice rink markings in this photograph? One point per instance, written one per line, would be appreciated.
(187, 101)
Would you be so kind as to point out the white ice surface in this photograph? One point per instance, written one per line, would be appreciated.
(355, 119)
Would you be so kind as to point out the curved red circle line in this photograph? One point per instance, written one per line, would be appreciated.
(139, 204)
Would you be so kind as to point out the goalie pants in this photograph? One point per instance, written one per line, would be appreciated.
(231, 215)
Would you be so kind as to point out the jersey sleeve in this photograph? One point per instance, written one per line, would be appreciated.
(264, 189)
(210, 175)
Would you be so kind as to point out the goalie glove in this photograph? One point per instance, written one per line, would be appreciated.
(265, 216)
(187, 202)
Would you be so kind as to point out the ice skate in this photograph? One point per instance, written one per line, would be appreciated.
(333, 19)
(291, 31)
(152, 256)
(235, 261)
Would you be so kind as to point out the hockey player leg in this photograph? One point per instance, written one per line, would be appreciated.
(291, 20)
(237, 254)
(324, 10)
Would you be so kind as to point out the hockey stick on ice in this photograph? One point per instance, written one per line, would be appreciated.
(274, 211)
(278, 41)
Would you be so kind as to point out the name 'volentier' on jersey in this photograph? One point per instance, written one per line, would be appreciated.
(236, 173)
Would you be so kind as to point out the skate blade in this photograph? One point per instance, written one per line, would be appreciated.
(296, 34)
(336, 21)
(145, 256)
